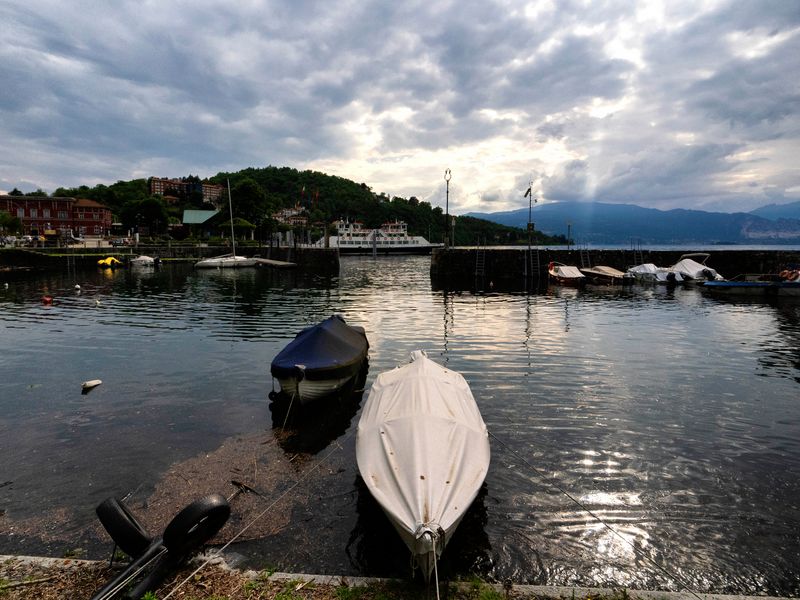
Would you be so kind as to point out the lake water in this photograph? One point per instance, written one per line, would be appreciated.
(643, 437)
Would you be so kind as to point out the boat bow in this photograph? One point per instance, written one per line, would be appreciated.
(423, 451)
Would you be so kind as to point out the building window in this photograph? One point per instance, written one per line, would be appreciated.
(62, 214)
(46, 213)
(34, 213)
(21, 213)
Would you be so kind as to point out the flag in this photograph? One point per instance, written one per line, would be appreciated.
(527, 193)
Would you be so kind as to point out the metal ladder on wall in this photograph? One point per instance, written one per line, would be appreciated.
(480, 260)
(534, 269)
(638, 255)
(586, 260)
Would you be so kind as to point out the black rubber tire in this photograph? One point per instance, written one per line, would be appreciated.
(196, 524)
(123, 527)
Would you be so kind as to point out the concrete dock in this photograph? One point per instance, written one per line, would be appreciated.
(515, 268)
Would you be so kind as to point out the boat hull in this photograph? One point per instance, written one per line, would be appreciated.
(386, 250)
(226, 262)
(321, 361)
(602, 275)
(308, 391)
(755, 289)
(423, 452)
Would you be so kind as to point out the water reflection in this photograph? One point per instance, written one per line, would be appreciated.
(375, 547)
(671, 414)
(310, 429)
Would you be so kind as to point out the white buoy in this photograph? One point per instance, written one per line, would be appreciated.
(77, 287)
(5, 285)
(90, 385)
(96, 302)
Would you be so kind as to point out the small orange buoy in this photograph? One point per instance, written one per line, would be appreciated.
(47, 299)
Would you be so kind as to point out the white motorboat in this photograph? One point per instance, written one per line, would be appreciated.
(696, 270)
(649, 273)
(144, 261)
(227, 261)
(423, 451)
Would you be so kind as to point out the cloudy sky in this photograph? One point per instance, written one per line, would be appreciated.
(665, 104)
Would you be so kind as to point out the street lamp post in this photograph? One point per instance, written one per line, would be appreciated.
(447, 176)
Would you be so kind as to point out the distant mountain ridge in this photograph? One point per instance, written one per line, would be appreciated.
(599, 222)
(778, 211)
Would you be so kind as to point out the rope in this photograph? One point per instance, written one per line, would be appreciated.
(596, 517)
(121, 585)
(436, 568)
(256, 518)
(288, 410)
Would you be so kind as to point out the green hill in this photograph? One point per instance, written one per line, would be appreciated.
(258, 192)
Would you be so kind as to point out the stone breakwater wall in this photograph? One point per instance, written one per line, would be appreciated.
(506, 267)
(322, 261)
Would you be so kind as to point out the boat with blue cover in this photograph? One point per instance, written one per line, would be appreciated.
(764, 286)
(321, 360)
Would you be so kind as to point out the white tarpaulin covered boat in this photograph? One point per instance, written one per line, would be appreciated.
(691, 270)
(423, 451)
(649, 273)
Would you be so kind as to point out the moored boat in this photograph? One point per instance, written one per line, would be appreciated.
(227, 261)
(144, 261)
(423, 451)
(785, 284)
(649, 273)
(565, 274)
(696, 270)
(605, 275)
(390, 238)
(321, 360)
(109, 262)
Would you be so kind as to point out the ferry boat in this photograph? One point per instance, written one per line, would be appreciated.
(390, 238)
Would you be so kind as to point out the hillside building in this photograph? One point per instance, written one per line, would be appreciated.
(173, 190)
(42, 215)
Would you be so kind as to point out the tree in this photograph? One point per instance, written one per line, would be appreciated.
(149, 212)
(9, 223)
(15, 192)
(249, 200)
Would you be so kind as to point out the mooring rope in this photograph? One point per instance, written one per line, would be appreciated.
(288, 410)
(435, 568)
(121, 585)
(219, 552)
(595, 516)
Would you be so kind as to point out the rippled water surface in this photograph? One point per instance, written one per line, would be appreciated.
(643, 438)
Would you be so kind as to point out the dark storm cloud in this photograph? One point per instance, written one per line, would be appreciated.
(102, 91)
(668, 173)
(753, 94)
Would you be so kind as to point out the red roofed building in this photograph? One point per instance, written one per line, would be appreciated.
(42, 213)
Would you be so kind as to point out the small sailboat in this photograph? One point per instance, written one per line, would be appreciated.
(423, 451)
(227, 261)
